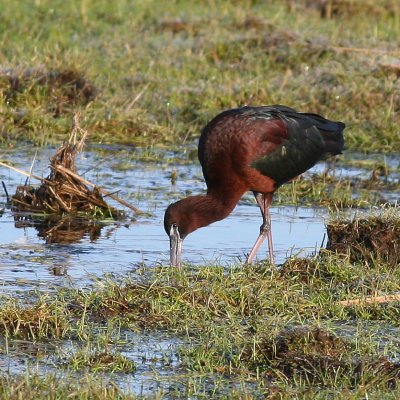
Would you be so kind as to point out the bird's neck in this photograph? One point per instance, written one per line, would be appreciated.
(203, 210)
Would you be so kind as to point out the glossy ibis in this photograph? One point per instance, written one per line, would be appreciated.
(250, 148)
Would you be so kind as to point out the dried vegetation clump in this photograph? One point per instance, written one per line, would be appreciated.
(63, 191)
(372, 238)
(179, 25)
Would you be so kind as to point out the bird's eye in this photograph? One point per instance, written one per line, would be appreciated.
(174, 225)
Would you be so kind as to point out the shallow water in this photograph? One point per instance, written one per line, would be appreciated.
(149, 352)
(28, 262)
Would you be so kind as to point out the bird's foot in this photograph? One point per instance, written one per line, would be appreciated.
(265, 232)
(265, 228)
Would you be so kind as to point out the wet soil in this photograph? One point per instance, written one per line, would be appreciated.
(318, 357)
(373, 238)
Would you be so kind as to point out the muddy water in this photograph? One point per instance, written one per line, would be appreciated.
(28, 262)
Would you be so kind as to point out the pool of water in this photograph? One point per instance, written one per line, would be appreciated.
(27, 261)
(150, 353)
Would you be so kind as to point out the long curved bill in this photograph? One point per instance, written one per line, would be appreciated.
(175, 243)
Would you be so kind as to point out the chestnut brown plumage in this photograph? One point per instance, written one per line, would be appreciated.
(250, 148)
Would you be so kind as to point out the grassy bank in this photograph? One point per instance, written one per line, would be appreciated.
(153, 73)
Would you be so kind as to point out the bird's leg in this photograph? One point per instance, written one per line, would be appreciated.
(264, 201)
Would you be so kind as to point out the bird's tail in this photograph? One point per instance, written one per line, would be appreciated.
(332, 133)
(334, 140)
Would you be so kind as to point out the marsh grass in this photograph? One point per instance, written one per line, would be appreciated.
(267, 328)
(335, 192)
(35, 387)
(158, 72)
(46, 318)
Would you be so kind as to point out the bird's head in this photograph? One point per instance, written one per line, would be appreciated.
(177, 225)
(187, 215)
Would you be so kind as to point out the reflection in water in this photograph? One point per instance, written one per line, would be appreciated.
(61, 230)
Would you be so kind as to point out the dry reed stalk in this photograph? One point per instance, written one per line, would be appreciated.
(363, 50)
(105, 192)
(371, 300)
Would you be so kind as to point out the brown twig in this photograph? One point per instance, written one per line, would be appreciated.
(20, 171)
(59, 200)
(86, 182)
(340, 49)
(371, 300)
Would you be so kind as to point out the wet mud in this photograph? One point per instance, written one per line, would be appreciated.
(319, 357)
(366, 239)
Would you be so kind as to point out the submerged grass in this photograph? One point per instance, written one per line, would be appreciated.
(35, 387)
(156, 72)
(100, 361)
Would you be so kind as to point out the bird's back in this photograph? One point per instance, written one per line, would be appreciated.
(276, 141)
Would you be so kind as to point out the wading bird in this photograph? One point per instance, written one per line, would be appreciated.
(256, 149)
